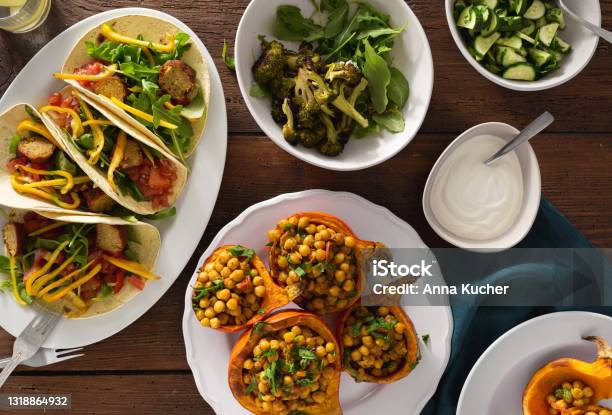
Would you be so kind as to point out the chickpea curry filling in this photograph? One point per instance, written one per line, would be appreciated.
(229, 289)
(570, 395)
(375, 342)
(290, 370)
(317, 258)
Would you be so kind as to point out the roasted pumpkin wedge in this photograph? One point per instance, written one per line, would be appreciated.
(570, 386)
(287, 364)
(234, 290)
(378, 344)
(318, 255)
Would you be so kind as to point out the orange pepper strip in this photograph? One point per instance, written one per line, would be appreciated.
(142, 114)
(69, 178)
(109, 33)
(108, 72)
(50, 298)
(40, 282)
(14, 281)
(65, 278)
(75, 122)
(132, 267)
(35, 127)
(117, 157)
(97, 122)
(36, 274)
(47, 228)
(94, 154)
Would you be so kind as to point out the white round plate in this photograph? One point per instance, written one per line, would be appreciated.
(411, 55)
(584, 44)
(180, 235)
(497, 381)
(208, 351)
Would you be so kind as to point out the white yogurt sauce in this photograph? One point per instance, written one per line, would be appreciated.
(472, 200)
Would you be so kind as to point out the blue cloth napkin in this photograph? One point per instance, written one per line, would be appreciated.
(477, 328)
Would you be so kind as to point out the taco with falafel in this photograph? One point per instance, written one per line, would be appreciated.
(84, 265)
(147, 72)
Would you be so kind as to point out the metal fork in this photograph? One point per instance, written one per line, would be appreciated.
(30, 340)
(603, 33)
(44, 357)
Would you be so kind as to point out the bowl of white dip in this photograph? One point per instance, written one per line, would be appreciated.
(483, 208)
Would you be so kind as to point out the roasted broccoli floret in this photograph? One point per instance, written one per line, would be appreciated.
(312, 136)
(346, 122)
(348, 109)
(308, 115)
(305, 57)
(278, 115)
(347, 71)
(271, 63)
(281, 87)
(332, 146)
(289, 131)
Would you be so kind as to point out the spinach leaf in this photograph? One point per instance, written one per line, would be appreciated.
(336, 21)
(136, 72)
(399, 89)
(376, 71)
(331, 5)
(392, 120)
(292, 26)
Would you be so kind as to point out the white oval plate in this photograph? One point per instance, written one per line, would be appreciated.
(411, 55)
(180, 235)
(208, 351)
(497, 381)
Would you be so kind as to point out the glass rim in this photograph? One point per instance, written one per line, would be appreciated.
(24, 9)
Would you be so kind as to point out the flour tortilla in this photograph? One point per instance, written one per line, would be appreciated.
(146, 248)
(8, 196)
(98, 176)
(154, 30)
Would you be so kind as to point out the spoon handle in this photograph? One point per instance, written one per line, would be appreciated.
(599, 31)
(533, 129)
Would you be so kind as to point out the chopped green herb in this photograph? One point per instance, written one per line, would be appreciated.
(242, 252)
(228, 60)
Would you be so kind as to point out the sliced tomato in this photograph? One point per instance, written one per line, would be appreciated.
(136, 282)
(91, 288)
(158, 181)
(119, 281)
(55, 99)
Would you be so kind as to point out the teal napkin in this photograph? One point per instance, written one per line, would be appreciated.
(475, 329)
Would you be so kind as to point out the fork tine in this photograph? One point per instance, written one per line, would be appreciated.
(60, 352)
(68, 357)
(48, 321)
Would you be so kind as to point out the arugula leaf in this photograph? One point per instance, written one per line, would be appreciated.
(164, 214)
(336, 21)
(292, 26)
(399, 89)
(15, 139)
(331, 5)
(392, 120)
(377, 73)
(228, 60)
(138, 72)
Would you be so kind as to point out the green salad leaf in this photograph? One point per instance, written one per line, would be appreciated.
(377, 72)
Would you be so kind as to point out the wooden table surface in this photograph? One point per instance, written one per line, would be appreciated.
(143, 369)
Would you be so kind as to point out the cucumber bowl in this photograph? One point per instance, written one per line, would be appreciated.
(555, 51)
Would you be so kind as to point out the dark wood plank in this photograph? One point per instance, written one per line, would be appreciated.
(453, 108)
(155, 341)
(149, 393)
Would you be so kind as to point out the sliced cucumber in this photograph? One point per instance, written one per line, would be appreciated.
(485, 17)
(492, 26)
(507, 57)
(535, 11)
(547, 33)
(540, 57)
(526, 38)
(529, 27)
(519, 6)
(520, 72)
(513, 42)
(482, 44)
(560, 45)
(468, 19)
(458, 7)
(491, 4)
(522, 51)
(555, 14)
(510, 23)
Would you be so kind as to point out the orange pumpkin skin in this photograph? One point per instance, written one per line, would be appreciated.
(339, 226)
(412, 344)
(275, 297)
(598, 375)
(276, 322)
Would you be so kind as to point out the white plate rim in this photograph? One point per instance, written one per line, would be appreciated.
(298, 151)
(512, 331)
(218, 141)
(447, 342)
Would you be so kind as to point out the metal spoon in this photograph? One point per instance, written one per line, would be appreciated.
(603, 33)
(533, 129)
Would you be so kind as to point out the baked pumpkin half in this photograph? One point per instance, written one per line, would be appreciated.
(378, 344)
(317, 255)
(570, 386)
(234, 290)
(287, 364)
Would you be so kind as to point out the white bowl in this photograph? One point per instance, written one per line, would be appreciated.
(411, 55)
(531, 192)
(584, 44)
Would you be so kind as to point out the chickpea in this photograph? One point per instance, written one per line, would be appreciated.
(288, 337)
(311, 229)
(248, 364)
(262, 387)
(334, 291)
(264, 345)
(224, 257)
(232, 304)
(274, 344)
(289, 244)
(210, 312)
(197, 285)
(340, 275)
(355, 355)
(320, 351)
(308, 240)
(204, 303)
(339, 258)
(215, 323)
(205, 322)
(218, 267)
(295, 258)
(588, 392)
(282, 262)
(260, 291)
(383, 311)
(318, 304)
(348, 340)
(274, 235)
(219, 307)
(367, 341)
(203, 277)
(224, 294)
(288, 380)
(229, 283)
(364, 351)
(318, 397)
(348, 286)
(345, 267)
(225, 272)
(304, 251)
(400, 327)
(303, 222)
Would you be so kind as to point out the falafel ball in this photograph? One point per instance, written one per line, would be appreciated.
(112, 87)
(36, 148)
(178, 79)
